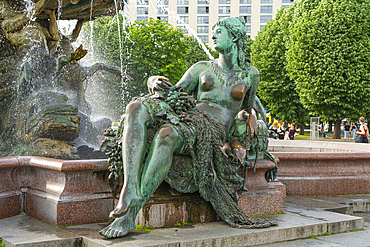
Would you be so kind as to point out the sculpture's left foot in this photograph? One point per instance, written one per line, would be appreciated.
(121, 226)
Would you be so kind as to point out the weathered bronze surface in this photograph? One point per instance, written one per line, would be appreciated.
(170, 122)
(42, 85)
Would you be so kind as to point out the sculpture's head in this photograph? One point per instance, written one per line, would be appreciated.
(237, 33)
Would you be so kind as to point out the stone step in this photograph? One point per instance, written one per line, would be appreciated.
(298, 222)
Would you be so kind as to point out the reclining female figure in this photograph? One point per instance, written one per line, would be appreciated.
(221, 89)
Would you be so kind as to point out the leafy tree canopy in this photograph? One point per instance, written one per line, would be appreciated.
(142, 49)
(268, 55)
(329, 56)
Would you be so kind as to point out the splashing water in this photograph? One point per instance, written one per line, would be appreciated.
(174, 15)
(30, 8)
(91, 29)
(59, 9)
(119, 35)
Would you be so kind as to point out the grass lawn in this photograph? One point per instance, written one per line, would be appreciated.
(306, 136)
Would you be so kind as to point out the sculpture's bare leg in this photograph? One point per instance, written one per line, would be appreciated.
(134, 145)
(156, 168)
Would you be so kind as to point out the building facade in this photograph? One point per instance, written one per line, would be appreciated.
(196, 17)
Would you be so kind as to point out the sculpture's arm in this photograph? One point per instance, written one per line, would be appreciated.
(190, 79)
(249, 101)
(91, 70)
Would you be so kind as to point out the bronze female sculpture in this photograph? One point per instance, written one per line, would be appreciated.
(169, 121)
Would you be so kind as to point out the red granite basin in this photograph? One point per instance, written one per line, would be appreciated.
(318, 173)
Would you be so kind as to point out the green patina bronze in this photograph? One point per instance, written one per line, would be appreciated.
(196, 118)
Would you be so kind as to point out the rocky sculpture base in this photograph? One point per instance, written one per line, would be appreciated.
(167, 207)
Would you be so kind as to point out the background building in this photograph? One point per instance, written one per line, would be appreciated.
(196, 17)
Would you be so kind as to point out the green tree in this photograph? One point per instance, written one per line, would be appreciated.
(194, 53)
(147, 48)
(268, 55)
(248, 49)
(329, 57)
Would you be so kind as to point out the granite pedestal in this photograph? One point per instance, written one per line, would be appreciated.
(57, 191)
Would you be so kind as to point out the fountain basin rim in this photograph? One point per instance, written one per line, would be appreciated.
(54, 164)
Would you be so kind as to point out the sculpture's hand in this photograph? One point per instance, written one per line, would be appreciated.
(252, 125)
(158, 84)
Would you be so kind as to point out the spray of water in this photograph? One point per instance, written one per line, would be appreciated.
(163, 9)
(91, 29)
(59, 9)
(30, 8)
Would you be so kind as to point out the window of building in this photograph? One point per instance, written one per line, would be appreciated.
(141, 18)
(203, 1)
(203, 38)
(162, 2)
(265, 18)
(183, 20)
(266, 1)
(142, 10)
(220, 17)
(266, 9)
(288, 1)
(261, 26)
(245, 9)
(182, 10)
(224, 1)
(202, 29)
(247, 18)
(162, 11)
(162, 18)
(184, 29)
(203, 19)
(203, 10)
(248, 28)
(182, 2)
(283, 6)
(245, 1)
(142, 2)
(224, 10)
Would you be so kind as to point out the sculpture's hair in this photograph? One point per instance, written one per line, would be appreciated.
(236, 27)
(362, 119)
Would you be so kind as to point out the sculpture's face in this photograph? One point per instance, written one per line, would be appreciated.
(222, 39)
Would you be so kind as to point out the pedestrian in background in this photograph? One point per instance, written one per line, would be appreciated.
(292, 131)
(347, 127)
(273, 129)
(362, 132)
(281, 131)
(353, 130)
(322, 131)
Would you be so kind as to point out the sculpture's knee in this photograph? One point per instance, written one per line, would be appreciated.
(133, 107)
(167, 135)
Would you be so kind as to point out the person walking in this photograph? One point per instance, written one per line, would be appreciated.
(353, 130)
(281, 131)
(346, 131)
(292, 131)
(363, 132)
